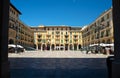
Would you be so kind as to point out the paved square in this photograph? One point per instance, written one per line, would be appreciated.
(56, 54)
(58, 64)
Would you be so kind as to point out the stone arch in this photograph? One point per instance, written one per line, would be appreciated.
(71, 47)
(11, 41)
(66, 46)
(33, 45)
(108, 41)
(75, 46)
(103, 41)
(43, 47)
(79, 46)
(52, 46)
(57, 47)
(39, 46)
(48, 46)
(61, 47)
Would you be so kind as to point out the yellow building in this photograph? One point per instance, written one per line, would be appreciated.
(57, 37)
(100, 31)
(60, 37)
(19, 33)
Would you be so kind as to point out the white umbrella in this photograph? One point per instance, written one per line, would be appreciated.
(12, 45)
(102, 44)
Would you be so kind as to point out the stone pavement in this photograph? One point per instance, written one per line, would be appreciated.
(56, 54)
(57, 65)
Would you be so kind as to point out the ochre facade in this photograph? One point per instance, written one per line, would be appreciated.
(60, 37)
(100, 31)
(57, 37)
(19, 33)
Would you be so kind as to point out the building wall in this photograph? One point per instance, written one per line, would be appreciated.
(100, 31)
(57, 36)
(19, 33)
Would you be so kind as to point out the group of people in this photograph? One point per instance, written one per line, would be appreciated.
(102, 50)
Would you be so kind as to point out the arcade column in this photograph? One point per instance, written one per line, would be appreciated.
(37, 47)
(116, 24)
(50, 47)
(4, 16)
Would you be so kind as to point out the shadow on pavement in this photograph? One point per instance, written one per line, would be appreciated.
(58, 67)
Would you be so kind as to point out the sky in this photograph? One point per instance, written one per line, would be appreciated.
(60, 12)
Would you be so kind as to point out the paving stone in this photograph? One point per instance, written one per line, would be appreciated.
(35, 65)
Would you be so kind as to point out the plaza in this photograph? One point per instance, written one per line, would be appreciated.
(57, 64)
(56, 54)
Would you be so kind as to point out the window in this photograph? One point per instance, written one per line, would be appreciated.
(66, 32)
(108, 15)
(57, 32)
(38, 36)
(43, 40)
(102, 19)
(108, 23)
(79, 36)
(52, 33)
(39, 40)
(52, 28)
(52, 36)
(107, 32)
(61, 41)
(48, 29)
(43, 36)
(102, 34)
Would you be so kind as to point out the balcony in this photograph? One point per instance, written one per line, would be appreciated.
(48, 41)
(75, 38)
(57, 42)
(57, 35)
(75, 35)
(75, 42)
(40, 35)
(39, 40)
(66, 35)
(66, 42)
(66, 39)
(48, 35)
(57, 38)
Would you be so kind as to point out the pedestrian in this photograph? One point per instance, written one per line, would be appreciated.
(107, 50)
(103, 50)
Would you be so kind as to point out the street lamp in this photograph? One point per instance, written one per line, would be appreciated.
(98, 28)
(16, 36)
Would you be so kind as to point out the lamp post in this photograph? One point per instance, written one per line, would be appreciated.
(16, 37)
(98, 28)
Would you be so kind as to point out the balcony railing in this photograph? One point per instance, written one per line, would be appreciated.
(66, 34)
(75, 38)
(66, 38)
(57, 42)
(48, 35)
(66, 42)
